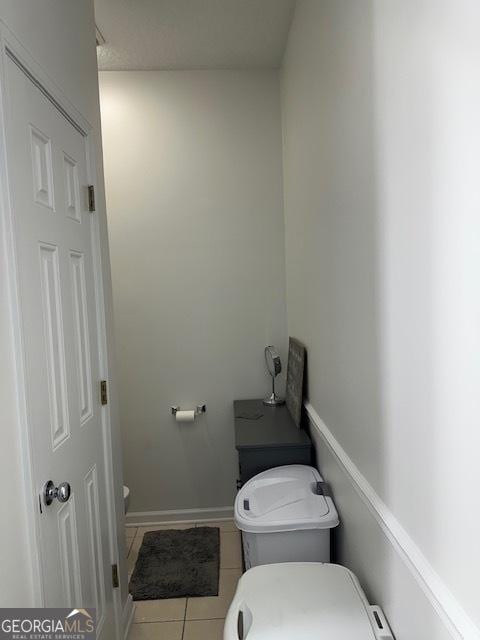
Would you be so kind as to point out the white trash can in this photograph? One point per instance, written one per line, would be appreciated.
(285, 515)
(303, 601)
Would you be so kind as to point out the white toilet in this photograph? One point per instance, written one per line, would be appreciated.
(126, 498)
(303, 601)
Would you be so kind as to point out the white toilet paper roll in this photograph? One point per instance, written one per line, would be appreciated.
(185, 416)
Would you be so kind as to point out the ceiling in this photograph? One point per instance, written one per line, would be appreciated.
(192, 34)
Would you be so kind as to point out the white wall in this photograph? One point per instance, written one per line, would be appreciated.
(194, 193)
(61, 38)
(382, 193)
(361, 545)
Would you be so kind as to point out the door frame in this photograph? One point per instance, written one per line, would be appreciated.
(12, 48)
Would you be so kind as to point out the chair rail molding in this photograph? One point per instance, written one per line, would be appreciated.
(441, 598)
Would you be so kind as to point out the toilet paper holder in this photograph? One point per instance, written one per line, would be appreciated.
(199, 409)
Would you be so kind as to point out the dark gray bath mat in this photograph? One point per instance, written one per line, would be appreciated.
(177, 563)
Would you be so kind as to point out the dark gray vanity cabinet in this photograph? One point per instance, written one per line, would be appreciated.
(267, 437)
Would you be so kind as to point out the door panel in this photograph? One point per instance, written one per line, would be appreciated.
(97, 577)
(68, 549)
(47, 158)
(80, 308)
(42, 168)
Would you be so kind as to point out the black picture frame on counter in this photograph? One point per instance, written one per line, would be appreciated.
(295, 375)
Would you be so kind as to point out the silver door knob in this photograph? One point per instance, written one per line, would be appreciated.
(62, 493)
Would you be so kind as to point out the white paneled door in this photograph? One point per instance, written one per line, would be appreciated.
(55, 239)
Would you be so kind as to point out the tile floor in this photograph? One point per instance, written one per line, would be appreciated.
(187, 618)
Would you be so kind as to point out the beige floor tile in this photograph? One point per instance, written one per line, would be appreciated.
(223, 525)
(230, 550)
(156, 631)
(136, 544)
(131, 559)
(215, 607)
(160, 610)
(132, 555)
(128, 545)
(130, 532)
(129, 537)
(203, 630)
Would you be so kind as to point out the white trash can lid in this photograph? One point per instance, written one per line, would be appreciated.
(284, 499)
(302, 601)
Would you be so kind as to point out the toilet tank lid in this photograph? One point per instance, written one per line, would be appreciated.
(303, 601)
(284, 499)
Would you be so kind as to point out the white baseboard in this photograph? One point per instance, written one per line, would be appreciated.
(127, 616)
(146, 518)
(442, 600)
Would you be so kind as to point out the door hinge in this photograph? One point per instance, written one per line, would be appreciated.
(91, 197)
(103, 392)
(115, 580)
